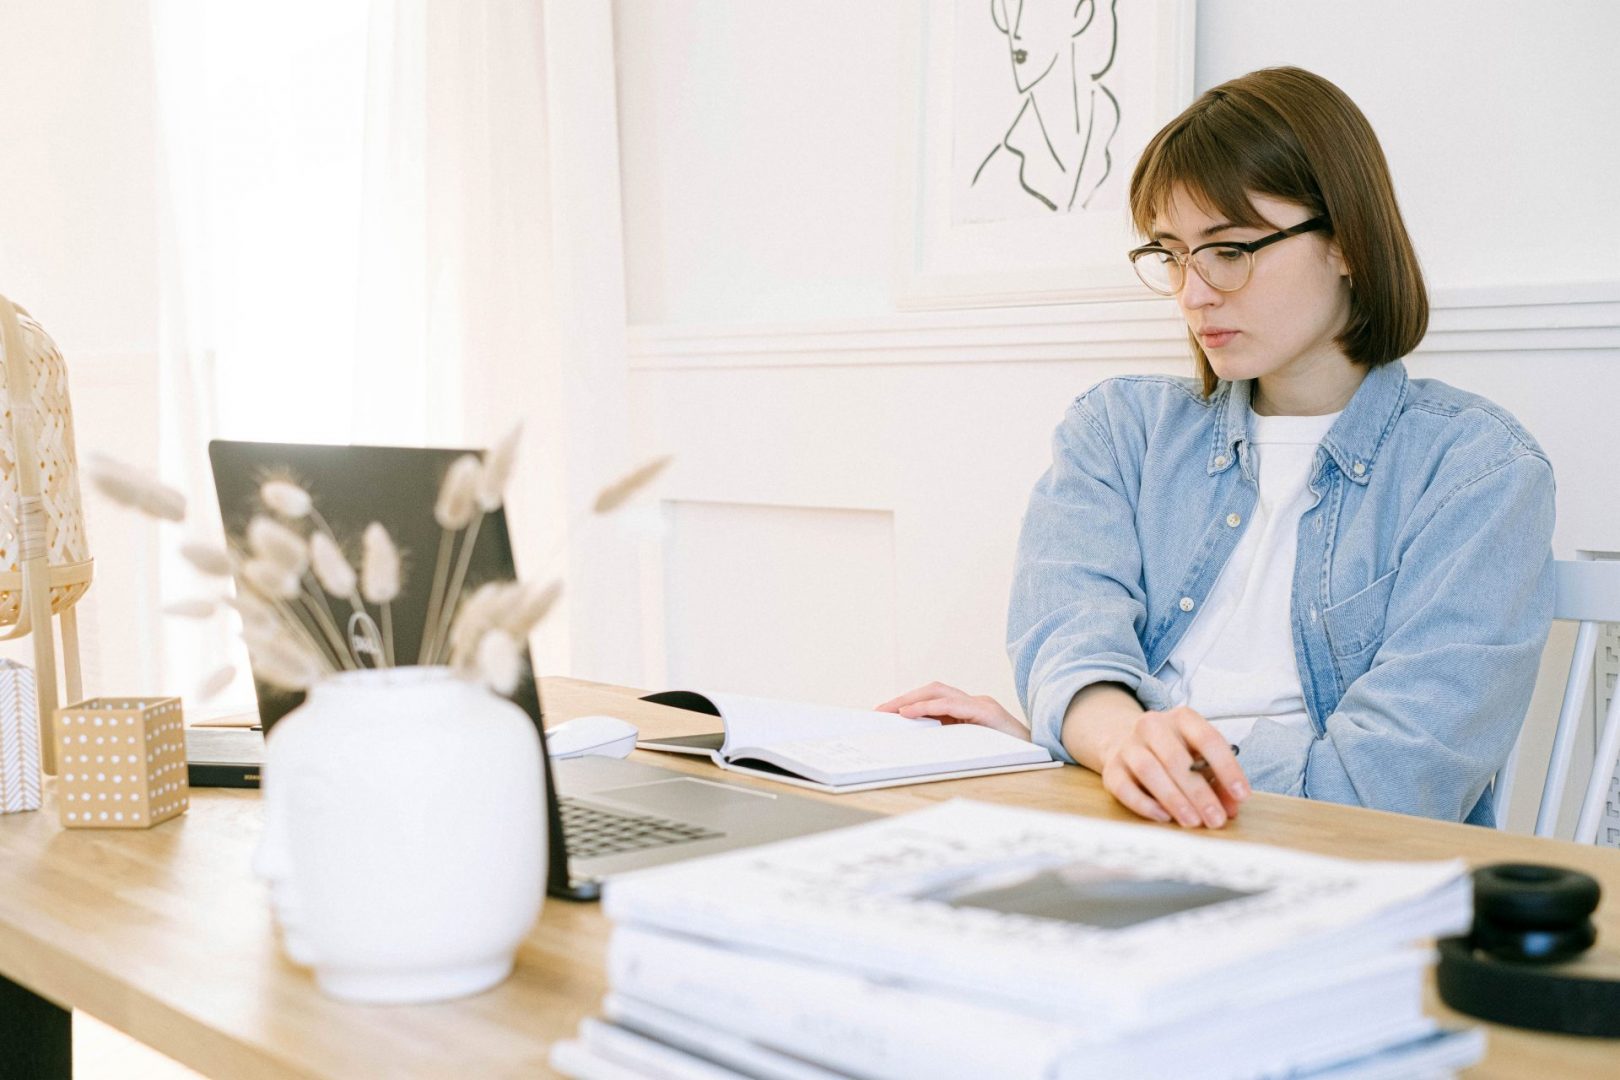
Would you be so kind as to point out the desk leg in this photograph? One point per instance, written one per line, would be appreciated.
(36, 1036)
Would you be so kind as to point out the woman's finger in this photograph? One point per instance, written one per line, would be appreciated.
(1168, 745)
(1212, 746)
(1118, 782)
(922, 693)
(962, 709)
(1149, 772)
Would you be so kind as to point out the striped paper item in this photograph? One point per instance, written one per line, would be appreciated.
(19, 738)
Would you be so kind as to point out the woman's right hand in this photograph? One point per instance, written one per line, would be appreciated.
(1148, 768)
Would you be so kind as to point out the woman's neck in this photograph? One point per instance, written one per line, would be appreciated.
(1326, 387)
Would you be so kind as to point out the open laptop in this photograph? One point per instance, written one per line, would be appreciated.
(607, 815)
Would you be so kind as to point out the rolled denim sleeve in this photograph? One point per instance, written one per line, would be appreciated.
(1434, 717)
(1078, 609)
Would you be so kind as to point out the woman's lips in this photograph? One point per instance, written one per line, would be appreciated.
(1214, 339)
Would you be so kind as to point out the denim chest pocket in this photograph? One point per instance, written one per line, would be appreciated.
(1356, 623)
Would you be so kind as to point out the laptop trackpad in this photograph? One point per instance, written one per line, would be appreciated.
(686, 797)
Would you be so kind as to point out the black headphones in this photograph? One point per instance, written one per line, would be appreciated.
(1527, 917)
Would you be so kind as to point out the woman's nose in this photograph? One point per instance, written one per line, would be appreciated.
(1195, 291)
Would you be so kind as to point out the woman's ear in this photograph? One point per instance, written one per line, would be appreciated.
(1336, 259)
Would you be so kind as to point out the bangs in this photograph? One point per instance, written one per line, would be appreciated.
(1220, 156)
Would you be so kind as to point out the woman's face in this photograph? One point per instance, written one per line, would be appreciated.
(1283, 322)
(1038, 33)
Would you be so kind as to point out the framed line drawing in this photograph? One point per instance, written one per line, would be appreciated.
(1022, 121)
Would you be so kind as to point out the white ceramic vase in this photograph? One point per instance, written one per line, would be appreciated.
(405, 834)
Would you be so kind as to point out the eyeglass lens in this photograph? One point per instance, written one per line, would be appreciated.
(1226, 269)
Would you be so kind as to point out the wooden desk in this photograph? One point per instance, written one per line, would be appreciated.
(167, 935)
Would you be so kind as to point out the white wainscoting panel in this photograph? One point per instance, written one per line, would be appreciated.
(1577, 316)
(780, 601)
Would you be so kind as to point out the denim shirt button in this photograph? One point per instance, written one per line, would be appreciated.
(1233, 521)
(1186, 603)
(1358, 468)
(1220, 462)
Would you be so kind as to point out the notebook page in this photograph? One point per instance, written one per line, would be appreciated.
(756, 721)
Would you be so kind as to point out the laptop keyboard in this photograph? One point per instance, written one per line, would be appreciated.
(590, 831)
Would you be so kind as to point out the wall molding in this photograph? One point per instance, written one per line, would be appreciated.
(1525, 318)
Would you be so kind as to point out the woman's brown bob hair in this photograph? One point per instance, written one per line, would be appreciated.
(1292, 135)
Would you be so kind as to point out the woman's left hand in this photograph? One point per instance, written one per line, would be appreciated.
(948, 705)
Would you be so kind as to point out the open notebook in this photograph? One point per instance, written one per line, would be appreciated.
(835, 749)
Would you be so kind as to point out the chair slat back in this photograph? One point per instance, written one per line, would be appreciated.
(1588, 592)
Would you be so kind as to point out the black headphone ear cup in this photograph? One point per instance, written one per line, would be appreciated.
(1526, 916)
(1524, 945)
(1528, 896)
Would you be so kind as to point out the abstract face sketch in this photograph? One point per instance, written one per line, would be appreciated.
(1063, 117)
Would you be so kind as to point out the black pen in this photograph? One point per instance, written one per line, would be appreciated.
(1200, 765)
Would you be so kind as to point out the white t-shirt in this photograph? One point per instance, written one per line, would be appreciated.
(1236, 662)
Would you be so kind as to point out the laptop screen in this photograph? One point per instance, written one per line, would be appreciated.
(353, 486)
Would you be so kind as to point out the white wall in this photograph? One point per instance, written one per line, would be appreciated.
(759, 140)
(759, 166)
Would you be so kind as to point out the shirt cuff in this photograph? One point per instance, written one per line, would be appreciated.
(1051, 700)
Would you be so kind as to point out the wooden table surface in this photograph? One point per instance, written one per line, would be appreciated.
(166, 934)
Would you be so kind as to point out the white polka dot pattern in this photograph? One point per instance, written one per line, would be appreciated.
(131, 789)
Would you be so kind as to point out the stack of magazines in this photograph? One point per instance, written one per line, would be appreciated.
(971, 940)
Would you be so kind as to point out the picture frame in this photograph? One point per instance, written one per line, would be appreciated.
(1004, 198)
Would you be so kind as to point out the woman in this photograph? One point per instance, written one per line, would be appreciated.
(1302, 555)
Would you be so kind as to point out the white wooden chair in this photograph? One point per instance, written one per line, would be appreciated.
(1588, 592)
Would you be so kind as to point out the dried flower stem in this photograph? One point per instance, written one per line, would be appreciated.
(291, 622)
(357, 606)
(441, 567)
(388, 633)
(441, 634)
(284, 613)
(315, 601)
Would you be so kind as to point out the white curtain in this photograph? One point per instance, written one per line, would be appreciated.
(353, 235)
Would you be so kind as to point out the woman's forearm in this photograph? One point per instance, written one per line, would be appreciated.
(1096, 719)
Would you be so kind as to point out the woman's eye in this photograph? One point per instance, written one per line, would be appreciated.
(1227, 254)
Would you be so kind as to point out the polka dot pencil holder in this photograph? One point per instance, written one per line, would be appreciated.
(121, 763)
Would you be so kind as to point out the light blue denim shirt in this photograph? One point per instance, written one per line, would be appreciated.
(1422, 595)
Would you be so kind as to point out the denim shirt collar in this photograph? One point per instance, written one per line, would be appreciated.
(1355, 438)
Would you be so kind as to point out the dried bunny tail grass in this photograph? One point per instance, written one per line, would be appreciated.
(499, 661)
(332, 570)
(208, 558)
(286, 498)
(280, 659)
(620, 491)
(497, 470)
(128, 486)
(270, 580)
(256, 613)
(478, 614)
(200, 608)
(379, 565)
(272, 542)
(216, 683)
(531, 604)
(458, 495)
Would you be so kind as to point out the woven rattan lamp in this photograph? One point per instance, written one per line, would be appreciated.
(45, 560)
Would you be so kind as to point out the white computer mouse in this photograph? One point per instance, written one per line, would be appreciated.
(603, 736)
